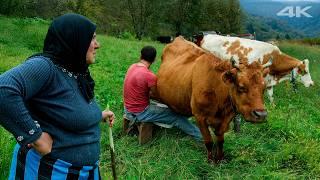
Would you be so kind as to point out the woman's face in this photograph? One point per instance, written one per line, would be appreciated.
(91, 53)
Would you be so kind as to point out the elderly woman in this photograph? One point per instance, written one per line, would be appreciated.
(48, 104)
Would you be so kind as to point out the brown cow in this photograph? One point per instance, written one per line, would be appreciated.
(195, 82)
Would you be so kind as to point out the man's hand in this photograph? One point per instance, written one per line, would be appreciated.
(108, 115)
(154, 93)
(43, 144)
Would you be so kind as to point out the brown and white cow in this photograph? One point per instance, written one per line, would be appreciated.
(247, 51)
(194, 82)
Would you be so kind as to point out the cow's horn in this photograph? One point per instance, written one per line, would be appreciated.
(234, 63)
(269, 63)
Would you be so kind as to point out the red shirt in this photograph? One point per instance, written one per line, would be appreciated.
(137, 84)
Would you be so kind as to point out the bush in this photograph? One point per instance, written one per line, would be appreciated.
(127, 35)
(311, 41)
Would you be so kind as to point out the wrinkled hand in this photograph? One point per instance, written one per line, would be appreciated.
(43, 144)
(108, 115)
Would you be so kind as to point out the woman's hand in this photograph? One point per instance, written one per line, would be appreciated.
(43, 145)
(108, 115)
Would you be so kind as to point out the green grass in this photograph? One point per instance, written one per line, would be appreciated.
(287, 147)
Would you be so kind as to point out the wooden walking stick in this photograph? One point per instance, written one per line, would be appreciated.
(112, 152)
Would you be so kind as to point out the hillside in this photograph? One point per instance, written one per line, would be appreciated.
(308, 26)
(269, 28)
(286, 147)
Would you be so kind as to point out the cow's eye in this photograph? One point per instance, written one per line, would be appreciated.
(302, 72)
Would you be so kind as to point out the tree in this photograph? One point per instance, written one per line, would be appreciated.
(287, 36)
(212, 17)
(184, 16)
(8, 6)
(115, 18)
(250, 28)
(140, 17)
(234, 16)
(140, 12)
(222, 15)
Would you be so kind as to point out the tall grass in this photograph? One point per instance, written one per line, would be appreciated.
(287, 147)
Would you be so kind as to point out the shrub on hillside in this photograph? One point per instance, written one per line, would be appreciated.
(311, 41)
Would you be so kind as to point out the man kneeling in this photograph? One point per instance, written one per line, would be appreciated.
(139, 83)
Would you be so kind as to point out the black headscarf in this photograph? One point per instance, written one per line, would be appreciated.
(66, 44)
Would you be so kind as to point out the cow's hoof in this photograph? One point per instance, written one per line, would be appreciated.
(210, 158)
(236, 128)
(219, 157)
(211, 161)
(218, 160)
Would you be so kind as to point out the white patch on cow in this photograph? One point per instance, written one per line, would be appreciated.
(306, 78)
(218, 45)
(271, 80)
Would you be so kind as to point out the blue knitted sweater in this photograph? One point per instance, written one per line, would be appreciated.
(37, 96)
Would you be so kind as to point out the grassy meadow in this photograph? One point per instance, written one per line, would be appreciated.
(286, 147)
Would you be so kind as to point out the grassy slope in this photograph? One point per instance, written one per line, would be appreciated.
(287, 146)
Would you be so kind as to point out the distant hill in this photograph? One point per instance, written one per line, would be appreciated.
(269, 28)
(266, 11)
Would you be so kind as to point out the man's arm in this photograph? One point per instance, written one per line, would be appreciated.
(154, 93)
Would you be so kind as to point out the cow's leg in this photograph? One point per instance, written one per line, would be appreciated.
(219, 132)
(204, 128)
(219, 148)
(237, 123)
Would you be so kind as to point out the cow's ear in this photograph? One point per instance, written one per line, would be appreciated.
(266, 71)
(230, 76)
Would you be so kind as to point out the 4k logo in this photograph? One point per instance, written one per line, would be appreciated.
(296, 11)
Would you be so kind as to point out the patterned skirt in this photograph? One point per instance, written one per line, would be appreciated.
(27, 164)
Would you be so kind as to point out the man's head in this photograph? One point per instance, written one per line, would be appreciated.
(148, 53)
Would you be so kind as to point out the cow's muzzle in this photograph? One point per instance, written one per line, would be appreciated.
(311, 83)
(259, 115)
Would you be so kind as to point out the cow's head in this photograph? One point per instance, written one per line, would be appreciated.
(247, 87)
(304, 73)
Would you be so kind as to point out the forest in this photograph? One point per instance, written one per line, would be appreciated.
(139, 18)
